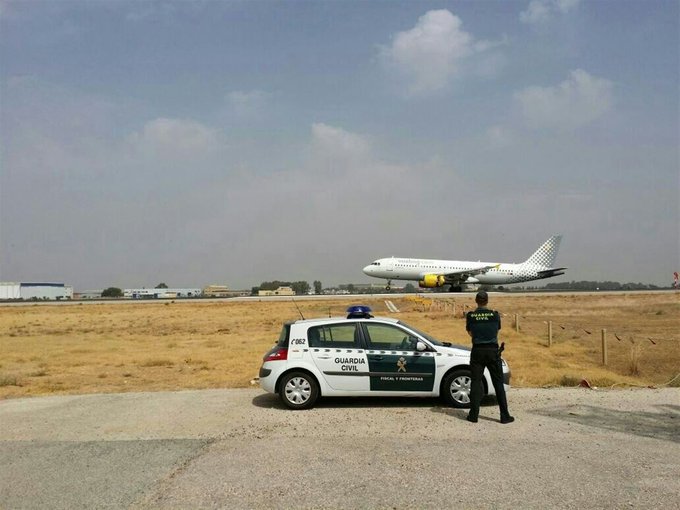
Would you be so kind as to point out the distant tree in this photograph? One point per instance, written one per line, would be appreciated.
(254, 291)
(350, 288)
(274, 285)
(112, 292)
(300, 287)
(161, 286)
(317, 287)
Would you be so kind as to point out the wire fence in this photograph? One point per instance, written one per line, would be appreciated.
(600, 334)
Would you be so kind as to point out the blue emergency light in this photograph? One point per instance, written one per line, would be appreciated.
(359, 312)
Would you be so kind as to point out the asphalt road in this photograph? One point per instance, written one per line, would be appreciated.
(569, 448)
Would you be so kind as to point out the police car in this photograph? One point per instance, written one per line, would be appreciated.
(362, 355)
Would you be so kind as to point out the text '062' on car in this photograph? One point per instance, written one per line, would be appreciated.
(363, 356)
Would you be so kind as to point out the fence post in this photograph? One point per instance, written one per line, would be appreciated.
(549, 333)
(604, 347)
(517, 322)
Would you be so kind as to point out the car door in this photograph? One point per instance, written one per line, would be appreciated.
(393, 361)
(339, 356)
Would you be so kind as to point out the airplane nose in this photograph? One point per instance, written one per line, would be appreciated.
(367, 270)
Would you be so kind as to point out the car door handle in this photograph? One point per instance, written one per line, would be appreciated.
(376, 358)
(323, 357)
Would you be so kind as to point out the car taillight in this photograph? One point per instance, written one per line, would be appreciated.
(277, 354)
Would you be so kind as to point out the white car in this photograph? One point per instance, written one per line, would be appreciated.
(362, 355)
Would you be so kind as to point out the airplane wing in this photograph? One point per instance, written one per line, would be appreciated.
(464, 274)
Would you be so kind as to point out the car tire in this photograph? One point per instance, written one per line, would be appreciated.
(298, 390)
(456, 388)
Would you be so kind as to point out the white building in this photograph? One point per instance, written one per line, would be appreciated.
(161, 293)
(34, 291)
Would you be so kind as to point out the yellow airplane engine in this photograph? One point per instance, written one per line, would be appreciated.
(432, 280)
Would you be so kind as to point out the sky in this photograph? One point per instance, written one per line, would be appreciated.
(236, 142)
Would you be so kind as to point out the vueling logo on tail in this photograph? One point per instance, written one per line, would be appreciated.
(545, 256)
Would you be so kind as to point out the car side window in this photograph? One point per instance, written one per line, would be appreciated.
(341, 336)
(386, 337)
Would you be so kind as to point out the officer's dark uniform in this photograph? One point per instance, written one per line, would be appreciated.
(484, 324)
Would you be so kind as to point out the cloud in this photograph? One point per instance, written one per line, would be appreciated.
(336, 141)
(541, 11)
(499, 136)
(431, 53)
(248, 103)
(175, 137)
(576, 102)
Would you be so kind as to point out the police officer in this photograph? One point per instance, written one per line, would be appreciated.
(483, 325)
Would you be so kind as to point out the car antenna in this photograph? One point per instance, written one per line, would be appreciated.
(298, 309)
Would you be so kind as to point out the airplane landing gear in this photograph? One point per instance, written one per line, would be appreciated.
(387, 287)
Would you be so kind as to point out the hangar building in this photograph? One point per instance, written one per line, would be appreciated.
(33, 291)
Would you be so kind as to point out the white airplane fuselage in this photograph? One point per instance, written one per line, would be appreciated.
(394, 268)
(436, 273)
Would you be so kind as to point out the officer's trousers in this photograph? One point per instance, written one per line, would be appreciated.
(481, 357)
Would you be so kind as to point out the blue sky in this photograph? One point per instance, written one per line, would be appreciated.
(203, 142)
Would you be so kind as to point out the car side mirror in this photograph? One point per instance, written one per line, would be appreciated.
(420, 346)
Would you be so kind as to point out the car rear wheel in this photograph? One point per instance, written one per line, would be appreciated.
(299, 390)
(456, 388)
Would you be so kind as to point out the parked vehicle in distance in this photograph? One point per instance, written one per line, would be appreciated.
(362, 355)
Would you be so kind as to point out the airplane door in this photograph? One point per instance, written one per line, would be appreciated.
(389, 264)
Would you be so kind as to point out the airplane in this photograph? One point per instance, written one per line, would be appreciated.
(437, 273)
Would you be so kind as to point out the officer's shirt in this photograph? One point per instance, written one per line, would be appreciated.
(484, 325)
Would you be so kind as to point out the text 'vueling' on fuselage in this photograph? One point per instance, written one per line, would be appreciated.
(430, 273)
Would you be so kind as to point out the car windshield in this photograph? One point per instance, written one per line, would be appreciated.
(430, 338)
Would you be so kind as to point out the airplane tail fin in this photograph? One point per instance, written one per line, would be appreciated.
(545, 256)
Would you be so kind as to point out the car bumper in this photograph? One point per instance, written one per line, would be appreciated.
(268, 378)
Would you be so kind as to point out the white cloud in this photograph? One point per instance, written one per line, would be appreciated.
(577, 101)
(540, 11)
(337, 141)
(432, 52)
(174, 137)
(499, 136)
(248, 103)
(565, 6)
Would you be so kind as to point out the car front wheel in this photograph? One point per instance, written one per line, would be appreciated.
(456, 388)
(298, 390)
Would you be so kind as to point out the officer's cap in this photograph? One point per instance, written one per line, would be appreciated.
(482, 297)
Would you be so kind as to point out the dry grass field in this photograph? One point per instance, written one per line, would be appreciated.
(114, 347)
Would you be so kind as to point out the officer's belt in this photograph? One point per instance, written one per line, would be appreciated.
(485, 346)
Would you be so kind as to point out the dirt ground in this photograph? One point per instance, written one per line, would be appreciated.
(169, 345)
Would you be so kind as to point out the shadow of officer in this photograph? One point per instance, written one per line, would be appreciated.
(483, 325)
